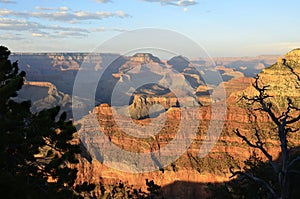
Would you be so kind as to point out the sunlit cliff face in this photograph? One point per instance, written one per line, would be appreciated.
(230, 150)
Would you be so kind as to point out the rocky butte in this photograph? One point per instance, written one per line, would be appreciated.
(44, 95)
(188, 176)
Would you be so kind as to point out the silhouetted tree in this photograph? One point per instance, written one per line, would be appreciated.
(123, 191)
(36, 150)
(279, 187)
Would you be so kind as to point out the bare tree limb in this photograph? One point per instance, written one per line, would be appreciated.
(294, 161)
(292, 70)
(256, 179)
(294, 172)
(283, 122)
(261, 100)
(258, 145)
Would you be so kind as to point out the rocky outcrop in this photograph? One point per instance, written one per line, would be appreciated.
(44, 95)
(282, 79)
(293, 58)
(179, 63)
(135, 62)
(145, 58)
(230, 150)
(141, 104)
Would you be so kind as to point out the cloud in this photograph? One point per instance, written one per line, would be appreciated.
(17, 24)
(181, 3)
(39, 33)
(103, 1)
(7, 1)
(64, 14)
(33, 23)
(37, 29)
(11, 36)
(70, 33)
(34, 34)
(63, 8)
(103, 29)
(50, 31)
(186, 3)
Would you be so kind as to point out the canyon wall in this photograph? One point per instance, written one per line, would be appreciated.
(60, 70)
(196, 172)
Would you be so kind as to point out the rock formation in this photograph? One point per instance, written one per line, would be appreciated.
(60, 70)
(230, 150)
(44, 95)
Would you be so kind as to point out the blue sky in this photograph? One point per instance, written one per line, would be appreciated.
(222, 27)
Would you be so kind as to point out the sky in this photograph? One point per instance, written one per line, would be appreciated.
(222, 27)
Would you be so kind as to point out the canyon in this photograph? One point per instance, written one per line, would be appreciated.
(189, 171)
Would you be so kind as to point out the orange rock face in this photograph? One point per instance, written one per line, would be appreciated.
(187, 176)
(189, 167)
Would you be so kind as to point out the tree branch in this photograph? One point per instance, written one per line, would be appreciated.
(294, 161)
(292, 70)
(294, 171)
(289, 116)
(258, 145)
(261, 100)
(256, 179)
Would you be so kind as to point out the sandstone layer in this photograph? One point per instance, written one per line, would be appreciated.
(230, 150)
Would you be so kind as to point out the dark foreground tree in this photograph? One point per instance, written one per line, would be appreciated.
(36, 150)
(123, 191)
(287, 122)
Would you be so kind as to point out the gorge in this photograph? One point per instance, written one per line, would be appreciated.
(188, 172)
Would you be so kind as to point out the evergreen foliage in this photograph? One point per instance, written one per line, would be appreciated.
(37, 155)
